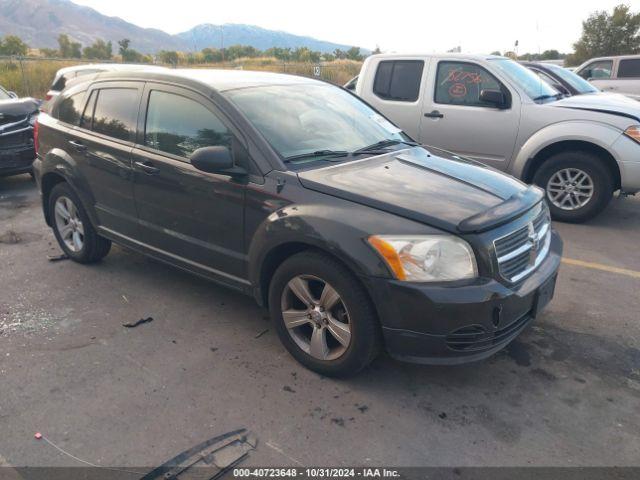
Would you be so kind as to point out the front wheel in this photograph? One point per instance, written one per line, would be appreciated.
(323, 315)
(578, 185)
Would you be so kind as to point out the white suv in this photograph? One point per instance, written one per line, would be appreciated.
(580, 149)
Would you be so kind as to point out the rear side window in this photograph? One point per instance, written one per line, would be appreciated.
(629, 68)
(116, 112)
(460, 83)
(179, 125)
(70, 108)
(398, 80)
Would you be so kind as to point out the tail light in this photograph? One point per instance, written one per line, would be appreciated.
(36, 128)
(48, 97)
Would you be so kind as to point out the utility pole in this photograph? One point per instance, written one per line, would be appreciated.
(222, 41)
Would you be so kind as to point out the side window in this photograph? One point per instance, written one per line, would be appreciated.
(179, 125)
(599, 69)
(116, 112)
(398, 80)
(87, 116)
(59, 83)
(629, 68)
(460, 83)
(70, 108)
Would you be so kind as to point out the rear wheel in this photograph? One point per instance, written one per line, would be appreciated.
(323, 315)
(72, 227)
(578, 185)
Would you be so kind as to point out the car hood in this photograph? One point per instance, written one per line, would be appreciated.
(430, 186)
(14, 110)
(613, 104)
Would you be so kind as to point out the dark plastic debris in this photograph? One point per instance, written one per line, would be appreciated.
(138, 322)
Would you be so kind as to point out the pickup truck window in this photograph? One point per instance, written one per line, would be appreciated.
(70, 108)
(460, 83)
(179, 125)
(398, 80)
(115, 112)
(599, 69)
(629, 68)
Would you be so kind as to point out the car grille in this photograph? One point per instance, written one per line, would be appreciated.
(475, 338)
(519, 253)
(11, 119)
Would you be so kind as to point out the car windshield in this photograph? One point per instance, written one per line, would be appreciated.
(576, 81)
(532, 84)
(4, 95)
(314, 121)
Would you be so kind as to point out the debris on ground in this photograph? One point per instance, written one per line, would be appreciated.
(210, 459)
(138, 322)
(261, 333)
(287, 388)
(38, 436)
(57, 258)
(10, 237)
(362, 408)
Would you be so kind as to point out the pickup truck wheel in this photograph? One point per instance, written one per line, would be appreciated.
(323, 315)
(72, 227)
(578, 185)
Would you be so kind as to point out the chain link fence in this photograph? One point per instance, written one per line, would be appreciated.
(32, 76)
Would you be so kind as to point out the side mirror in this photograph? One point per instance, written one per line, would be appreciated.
(13, 94)
(494, 97)
(216, 159)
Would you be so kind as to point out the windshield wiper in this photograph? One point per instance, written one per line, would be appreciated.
(317, 153)
(382, 144)
(545, 97)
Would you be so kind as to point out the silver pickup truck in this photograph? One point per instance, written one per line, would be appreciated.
(614, 74)
(580, 149)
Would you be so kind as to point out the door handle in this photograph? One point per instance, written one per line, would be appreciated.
(434, 114)
(78, 146)
(148, 168)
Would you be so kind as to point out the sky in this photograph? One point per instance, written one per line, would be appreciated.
(395, 26)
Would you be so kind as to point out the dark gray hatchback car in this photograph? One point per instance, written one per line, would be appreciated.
(300, 194)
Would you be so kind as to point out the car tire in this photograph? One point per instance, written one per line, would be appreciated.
(73, 229)
(352, 311)
(578, 185)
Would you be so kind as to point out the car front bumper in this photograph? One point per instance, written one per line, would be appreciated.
(460, 323)
(17, 152)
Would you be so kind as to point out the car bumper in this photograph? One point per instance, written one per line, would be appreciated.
(454, 324)
(17, 160)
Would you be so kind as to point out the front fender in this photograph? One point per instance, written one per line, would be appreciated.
(600, 134)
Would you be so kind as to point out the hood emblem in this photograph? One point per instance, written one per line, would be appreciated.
(535, 244)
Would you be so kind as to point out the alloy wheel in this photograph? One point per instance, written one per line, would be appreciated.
(570, 188)
(316, 317)
(69, 224)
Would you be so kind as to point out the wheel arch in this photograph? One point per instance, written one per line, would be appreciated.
(535, 162)
(48, 181)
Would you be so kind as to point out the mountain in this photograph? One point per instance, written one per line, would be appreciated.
(208, 35)
(39, 22)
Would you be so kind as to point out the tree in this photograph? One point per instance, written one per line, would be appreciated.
(550, 55)
(13, 45)
(496, 52)
(67, 48)
(49, 52)
(354, 54)
(100, 50)
(211, 55)
(606, 34)
(377, 50)
(168, 56)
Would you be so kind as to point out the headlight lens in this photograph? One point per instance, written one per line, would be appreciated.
(633, 132)
(426, 258)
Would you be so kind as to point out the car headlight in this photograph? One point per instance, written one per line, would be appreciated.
(426, 258)
(633, 132)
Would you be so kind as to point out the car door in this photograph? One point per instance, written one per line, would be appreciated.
(455, 119)
(600, 74)
(192, 217)
(104, 141)
(628, 77)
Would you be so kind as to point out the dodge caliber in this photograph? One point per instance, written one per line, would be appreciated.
(298, 193)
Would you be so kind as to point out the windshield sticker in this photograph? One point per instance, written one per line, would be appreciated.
(384, 123)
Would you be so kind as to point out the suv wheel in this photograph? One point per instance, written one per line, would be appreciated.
(72, 227)
(578, 185)
(323, 315)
